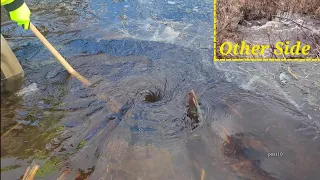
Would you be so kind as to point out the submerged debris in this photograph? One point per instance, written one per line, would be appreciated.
(239, 144)
(234, 110)
(82, 175)
(242, 147)
(194, 112)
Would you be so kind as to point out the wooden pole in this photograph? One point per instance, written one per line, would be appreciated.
(64, 63)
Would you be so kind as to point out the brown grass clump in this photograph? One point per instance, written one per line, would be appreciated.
(257, 9)
(231, 13)
(229, 16)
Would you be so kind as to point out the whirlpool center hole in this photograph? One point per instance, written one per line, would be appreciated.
(153, 96)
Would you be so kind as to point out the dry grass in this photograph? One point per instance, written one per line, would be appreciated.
(203, 174)
(228, 17)
(257, 9)
(231, 13)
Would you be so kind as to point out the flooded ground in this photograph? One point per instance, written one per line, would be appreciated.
(143, 57)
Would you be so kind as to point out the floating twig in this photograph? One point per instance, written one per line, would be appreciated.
(64, 174)
(26, 173)
(292, 74)
(225, 130)
(194, 112)
(203, 173)
(232, 109)
(6, 133)
(227, 136)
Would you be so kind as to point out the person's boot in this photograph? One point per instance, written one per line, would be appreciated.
(12, 73)
(11, 84)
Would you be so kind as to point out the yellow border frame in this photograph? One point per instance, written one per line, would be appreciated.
(215, 59)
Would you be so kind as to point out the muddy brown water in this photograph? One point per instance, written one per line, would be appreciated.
(114, 130)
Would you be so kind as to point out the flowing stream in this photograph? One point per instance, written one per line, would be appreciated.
(143, 58)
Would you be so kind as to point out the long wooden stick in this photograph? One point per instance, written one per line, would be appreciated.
(26, 173)
(65, 64)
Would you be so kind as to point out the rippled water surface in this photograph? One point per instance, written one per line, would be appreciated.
(143, 57)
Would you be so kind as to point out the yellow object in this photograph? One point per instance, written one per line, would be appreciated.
(283, 48)
(203, 174)
(5, 2)
(30, 174)
(18, 12)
